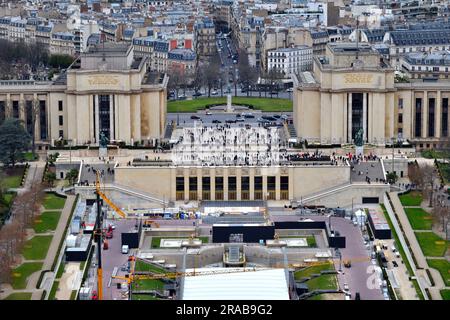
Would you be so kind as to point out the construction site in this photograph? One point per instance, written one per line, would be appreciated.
(219, 250)
(167, 225)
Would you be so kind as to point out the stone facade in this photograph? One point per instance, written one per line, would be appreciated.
(352, 88)
(104, 91)
(230, 183)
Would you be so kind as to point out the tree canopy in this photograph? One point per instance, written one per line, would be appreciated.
(14, 140)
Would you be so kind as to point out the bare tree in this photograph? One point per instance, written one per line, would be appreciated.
(416, 175)
(210, 72)
(175, 80)
(247, 74)
(430, 177)
(441, 213)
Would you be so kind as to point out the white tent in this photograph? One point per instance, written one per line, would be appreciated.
(235, 284)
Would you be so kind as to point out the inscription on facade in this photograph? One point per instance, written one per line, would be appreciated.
(355, 78)
(103, 80)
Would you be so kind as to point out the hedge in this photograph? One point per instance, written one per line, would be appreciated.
(41, 276)
(430, 277)
(65, 232)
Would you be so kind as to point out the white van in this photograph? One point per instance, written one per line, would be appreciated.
(125, 249)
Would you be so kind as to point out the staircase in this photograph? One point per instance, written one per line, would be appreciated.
(168, 131)
(291, 131)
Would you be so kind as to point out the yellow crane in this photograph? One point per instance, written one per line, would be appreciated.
(131, 277)
(105, 198)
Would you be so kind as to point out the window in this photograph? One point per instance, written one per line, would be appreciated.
(192, 188)
(400, 118)
(219, 188)
(431, 111)
(418, 121)
(60, 105)
(284, 187)
(206, 187)
(61, 133)
(179, 185)
(245, 188)
(400, 103)
(444, 120)
(61, 122)
(271, 184)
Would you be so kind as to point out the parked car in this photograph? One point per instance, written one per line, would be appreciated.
(216, 121)
(240, 120)
(395, 264)
(289, 90)
(125, 249)
(346, 288)
(249, 116)
(214, 93)
(197, 94)
(194, 117)
(208, 113)
(230, 121)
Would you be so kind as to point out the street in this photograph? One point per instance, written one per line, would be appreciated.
(185, 118)
(228, 55)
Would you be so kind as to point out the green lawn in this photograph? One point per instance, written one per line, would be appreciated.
(445, 294)
(47, 221)
(9, 197)
(12, 177)
(307, 272)
(316, 297)
(143, 297)
(36, 248)
(264, 104)
(53, 202)
(22, 272)
(411, 199)
(52, 294)
(19, 296)
(432, 245)
(402, 252)
(443, 266)
(61, 270)
(323, 282)
(142, 266)
(433, 154)
(5, 205)
(419, 218)
(311, 241)
(28, 156)
(148, 284)
(156, 241)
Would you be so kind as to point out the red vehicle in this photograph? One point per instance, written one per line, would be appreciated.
(109, 235)
(94, 295)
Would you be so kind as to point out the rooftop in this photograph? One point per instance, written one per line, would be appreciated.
(235, 284)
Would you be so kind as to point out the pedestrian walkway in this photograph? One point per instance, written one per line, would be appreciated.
(54, 245)
(417, 251)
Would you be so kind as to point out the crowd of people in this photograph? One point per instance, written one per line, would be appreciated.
(226, 145)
